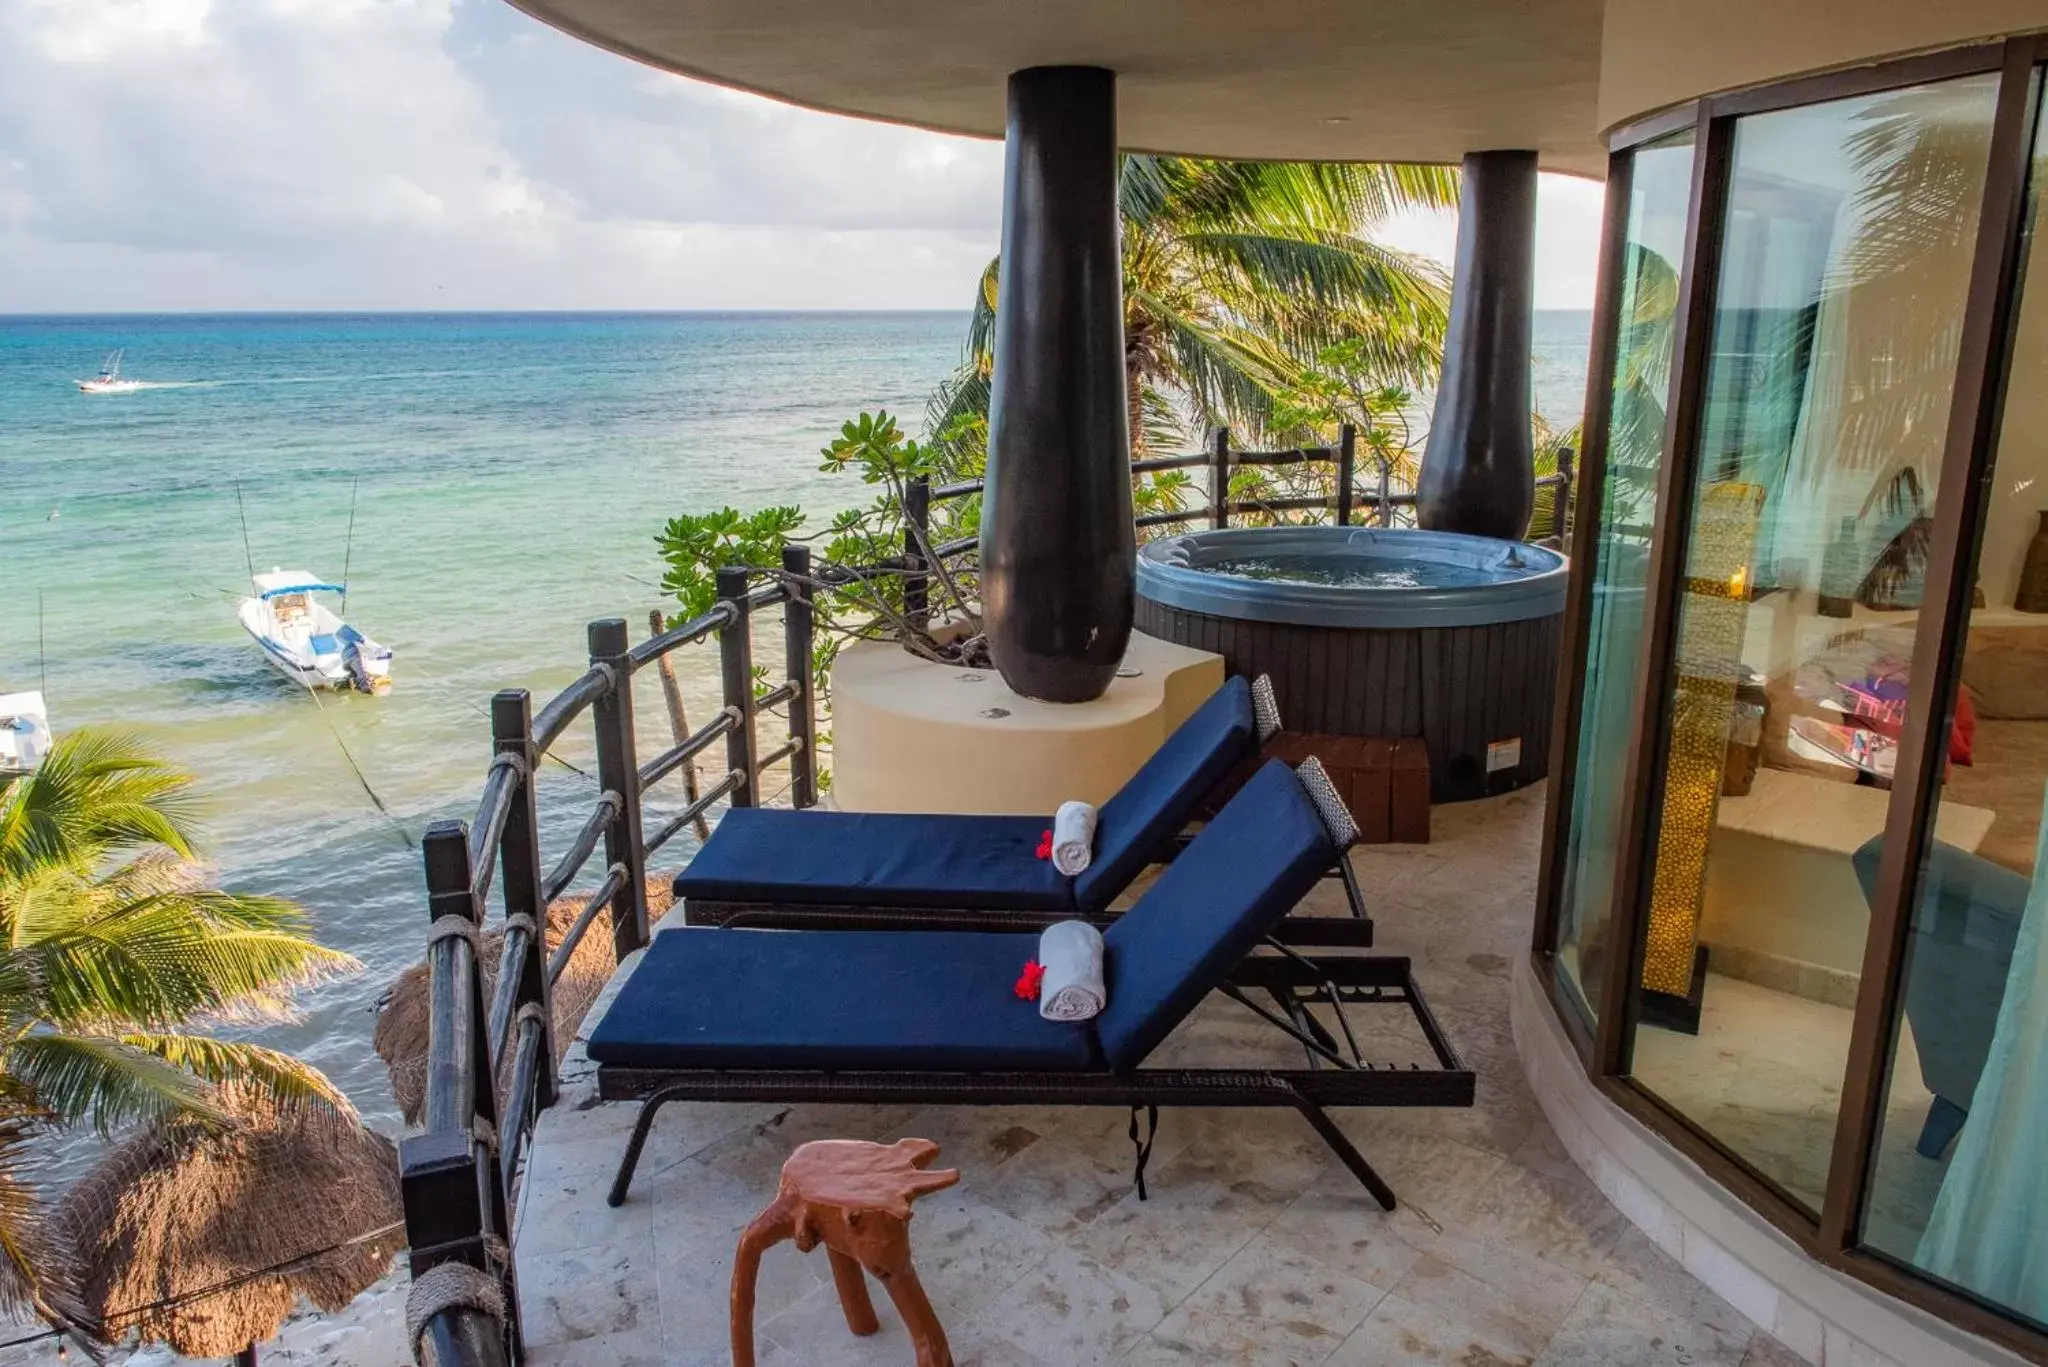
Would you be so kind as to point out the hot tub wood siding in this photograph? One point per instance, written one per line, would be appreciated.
(1461, 689)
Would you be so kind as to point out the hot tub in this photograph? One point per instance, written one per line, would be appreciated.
(1379, 632)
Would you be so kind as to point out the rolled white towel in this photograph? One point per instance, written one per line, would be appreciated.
(1073, 838)
(1073, 989)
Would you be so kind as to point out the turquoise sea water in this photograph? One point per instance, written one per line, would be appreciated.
(513, 471)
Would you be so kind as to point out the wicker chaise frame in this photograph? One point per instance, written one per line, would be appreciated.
(1336, 1075)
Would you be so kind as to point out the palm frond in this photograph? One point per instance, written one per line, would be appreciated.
(105, 1082)
(250, 1070)
(1224, 381)
(1271, 268)
(138, 948)
(98, 790)
(981, 326)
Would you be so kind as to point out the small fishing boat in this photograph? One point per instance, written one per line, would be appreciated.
(109, 380)
(24, 732)
(307, 641)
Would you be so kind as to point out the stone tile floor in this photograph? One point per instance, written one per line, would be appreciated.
(1256, 1247)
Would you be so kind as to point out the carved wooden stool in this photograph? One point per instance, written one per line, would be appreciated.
(854, 1198)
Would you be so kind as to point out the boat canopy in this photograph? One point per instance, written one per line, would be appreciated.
(303, 588)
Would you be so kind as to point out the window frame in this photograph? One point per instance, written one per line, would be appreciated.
(1961, 489)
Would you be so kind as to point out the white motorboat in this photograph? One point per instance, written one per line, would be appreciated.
(307, 641)
(109, 380)
(24, 732)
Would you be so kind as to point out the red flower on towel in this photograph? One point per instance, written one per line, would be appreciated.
(1045, 845)
(1028, 981)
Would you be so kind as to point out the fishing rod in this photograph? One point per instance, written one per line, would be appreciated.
(42, 654)
(348, 547)
(357, 769)
(248, 558)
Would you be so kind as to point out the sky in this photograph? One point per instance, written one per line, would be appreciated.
(455, 154)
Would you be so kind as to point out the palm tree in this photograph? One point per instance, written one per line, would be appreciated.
(1237, 274)
(112, 946)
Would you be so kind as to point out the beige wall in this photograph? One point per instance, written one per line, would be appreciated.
(1656, 53)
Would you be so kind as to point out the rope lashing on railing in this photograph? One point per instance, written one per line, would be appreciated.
(454, 928)
(484, 1132)
(449, 1286)
(520, 920)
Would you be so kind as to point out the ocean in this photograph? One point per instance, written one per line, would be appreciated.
(508, 475)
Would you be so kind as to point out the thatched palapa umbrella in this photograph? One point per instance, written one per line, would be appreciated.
(204, 1238)
(401, 1037)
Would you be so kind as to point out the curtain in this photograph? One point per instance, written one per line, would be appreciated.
(1989, 1229)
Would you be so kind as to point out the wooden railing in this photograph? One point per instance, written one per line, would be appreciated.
(460, 1172)
(1346, 500)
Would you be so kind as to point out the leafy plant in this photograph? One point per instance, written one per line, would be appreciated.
(112, 946)
(860, 576)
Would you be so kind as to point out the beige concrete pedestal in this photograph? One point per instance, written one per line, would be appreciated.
(912, 736)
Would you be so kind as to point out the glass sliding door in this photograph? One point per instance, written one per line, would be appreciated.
(1660, 178)
(1959, 1188)
(1845, 248)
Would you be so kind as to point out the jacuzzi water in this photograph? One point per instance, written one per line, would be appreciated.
(1344, 572)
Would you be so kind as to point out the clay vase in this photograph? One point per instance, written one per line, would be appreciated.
(2033, 591)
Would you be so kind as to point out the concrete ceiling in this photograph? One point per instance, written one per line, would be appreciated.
(1347, 80)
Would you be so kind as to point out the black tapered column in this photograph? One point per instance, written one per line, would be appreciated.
(1477, 472)
(1057, 542)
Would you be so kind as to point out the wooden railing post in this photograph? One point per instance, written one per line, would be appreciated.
(1561, 506)
(917, 511)
(1347, 470)
(798, 624)
(455, 1202)
(618, 771)
(1219, 478)
(736, 668)
(519, 871)
(1386, 490)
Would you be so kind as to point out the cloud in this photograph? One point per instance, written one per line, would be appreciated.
(306, 154)
(1568, 220)
(428, 153)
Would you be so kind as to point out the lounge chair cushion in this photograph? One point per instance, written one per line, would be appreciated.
(1160, 798)
(876, 859)
(1262, 854)
(817, 999)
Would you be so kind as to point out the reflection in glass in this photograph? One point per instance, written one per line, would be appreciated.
(1848, 238)
(1960, 1188)
(1659, 185)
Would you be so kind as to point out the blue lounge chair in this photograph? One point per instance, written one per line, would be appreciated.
(1965, 928)
(780, 869)
(922, 1016)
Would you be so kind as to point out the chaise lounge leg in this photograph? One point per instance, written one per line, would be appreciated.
(634, 1144)
(1944, 1122)
(1341, 1145)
